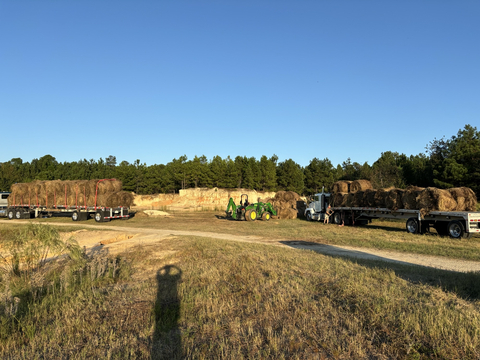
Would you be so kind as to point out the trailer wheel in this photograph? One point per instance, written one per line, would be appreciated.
(99, 217)
(308, 215)
(412, 226)
(337, 218)
(75, 216)
(456, 230)
(11, 214)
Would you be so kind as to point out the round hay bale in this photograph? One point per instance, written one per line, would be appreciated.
(338, 199)
(120, 198)
(393, 200)
(409, 198)
(358, 198)
(465, 198)
(369, 198)
(350, 199)
(359, 185)
(341, 186)
(433, 199)
(380, 197)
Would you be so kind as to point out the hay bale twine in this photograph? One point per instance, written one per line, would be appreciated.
(359, 185)
(393, 200)
(465, 198)
(433, 199)
(409, 198)
(369, 198)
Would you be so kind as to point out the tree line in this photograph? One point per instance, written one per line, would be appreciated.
(446, 163)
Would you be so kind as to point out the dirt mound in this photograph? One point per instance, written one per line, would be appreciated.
(70, 193)
(360, 185)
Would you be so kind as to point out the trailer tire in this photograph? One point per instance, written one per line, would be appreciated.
(11, 214)
(75, 216)
(337, 218)
(99, 217)
(456, 230)
(308, 215)
(412, 226)
(251, 215)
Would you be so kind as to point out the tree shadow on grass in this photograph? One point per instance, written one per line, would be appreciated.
(465, 284)
(167, 340)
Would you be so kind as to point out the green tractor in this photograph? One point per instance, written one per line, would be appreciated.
(249, 212)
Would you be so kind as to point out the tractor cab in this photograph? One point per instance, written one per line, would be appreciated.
(244, 200)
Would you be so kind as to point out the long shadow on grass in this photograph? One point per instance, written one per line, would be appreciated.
(465, 285)
(167, 341)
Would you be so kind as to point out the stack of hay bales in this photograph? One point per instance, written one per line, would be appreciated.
(342, 186)
(465, 198)
(287, 204)
(433, 199)
(360, 185)
(71, 193)
(410, 195)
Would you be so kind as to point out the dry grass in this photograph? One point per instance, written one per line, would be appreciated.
(218, 299)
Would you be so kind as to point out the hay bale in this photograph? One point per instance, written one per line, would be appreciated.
(381, 197)
(342, 186)
(119, 198)
(287, 213)
(359, 185)
(349, 200)
(369, 198)
(358, 198)
(338, 199)
(409, 198)
(465, 198)
(393, 200)
(433, 199)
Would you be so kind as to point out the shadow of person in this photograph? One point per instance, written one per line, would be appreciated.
(167, 341)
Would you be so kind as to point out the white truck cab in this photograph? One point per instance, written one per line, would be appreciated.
(3, 203)
(317, 208)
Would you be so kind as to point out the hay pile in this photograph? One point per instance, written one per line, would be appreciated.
(360, 185)
(287, 204)
(70, 193)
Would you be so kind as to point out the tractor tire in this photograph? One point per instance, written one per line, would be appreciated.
(251, 215)
(266, 216)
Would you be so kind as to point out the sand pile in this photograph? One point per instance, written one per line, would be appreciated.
(70, 193)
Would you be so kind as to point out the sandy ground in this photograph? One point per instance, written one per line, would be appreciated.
(121, 239)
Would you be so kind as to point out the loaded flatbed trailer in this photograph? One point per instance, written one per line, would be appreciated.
(456, 224)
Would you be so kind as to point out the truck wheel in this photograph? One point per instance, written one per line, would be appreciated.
(456, 230)
(18, 214)
(251, 215)
(337, 218)
(309, 216)
(99, 217)
(412, 226)
(266, 216)
(75, 216)
(11, 214)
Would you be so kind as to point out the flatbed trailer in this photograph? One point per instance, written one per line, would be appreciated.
(456, 224)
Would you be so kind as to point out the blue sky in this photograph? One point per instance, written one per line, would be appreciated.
(154, 80)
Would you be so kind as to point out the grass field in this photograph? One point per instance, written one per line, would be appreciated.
(199, 298)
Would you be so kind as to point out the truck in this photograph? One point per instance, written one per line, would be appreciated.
(21, 209)
(456, 224)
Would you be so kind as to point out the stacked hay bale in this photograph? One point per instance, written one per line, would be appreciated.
(369, 198)
(339, 199)
(465, 198)
(433, 199)
(71, 193)
(360, 185)
(287, 204)
(342, 186)
(409, 198)
(393, 200)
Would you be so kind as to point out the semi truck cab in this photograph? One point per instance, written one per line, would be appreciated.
(317, 208)
(3, 203)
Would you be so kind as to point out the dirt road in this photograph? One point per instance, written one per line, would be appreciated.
(119, 239)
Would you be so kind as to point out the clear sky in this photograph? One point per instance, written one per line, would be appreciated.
(154, 80)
